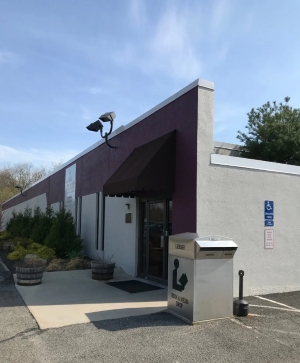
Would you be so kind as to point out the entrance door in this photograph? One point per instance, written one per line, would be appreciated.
(155, 229)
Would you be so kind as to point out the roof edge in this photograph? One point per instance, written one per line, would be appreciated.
(198, 82)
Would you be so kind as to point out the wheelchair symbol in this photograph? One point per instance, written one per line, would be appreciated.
(268, 207)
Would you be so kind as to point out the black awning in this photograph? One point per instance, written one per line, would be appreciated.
(150, 168)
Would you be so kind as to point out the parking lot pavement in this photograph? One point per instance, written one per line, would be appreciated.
(163, 338)
(15, 322)
(271, 333)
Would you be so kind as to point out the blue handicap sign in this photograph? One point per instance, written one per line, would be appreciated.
(269, 216)
(269, 223)
(269, 207)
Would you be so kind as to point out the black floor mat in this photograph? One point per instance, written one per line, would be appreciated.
(133, 286)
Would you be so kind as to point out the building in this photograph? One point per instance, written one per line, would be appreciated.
(168, 176)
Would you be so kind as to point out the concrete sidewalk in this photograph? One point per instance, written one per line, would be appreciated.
(73, 297)
(270, 334)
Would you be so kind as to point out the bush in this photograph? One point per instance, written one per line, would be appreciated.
(60, 264)
(45, 253)
(25, 223)
(74, 254)
(57, 264)
(42, 228)
(21, 241)
(14, 225)
(5, 235)
(10, 223)
(62, 237)
(35, 249)
(78, 264)
(18, 254)
(35, 220)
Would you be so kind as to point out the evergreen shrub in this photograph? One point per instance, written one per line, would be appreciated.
(42, 228)
(62, 237)
(26, 221)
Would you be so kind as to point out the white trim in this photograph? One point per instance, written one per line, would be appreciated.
(226, 160)
(198, 82)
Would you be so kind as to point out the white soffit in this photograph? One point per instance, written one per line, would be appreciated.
(198, 82)
(237, 162)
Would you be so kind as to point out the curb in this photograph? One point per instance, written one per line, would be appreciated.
(4, 266)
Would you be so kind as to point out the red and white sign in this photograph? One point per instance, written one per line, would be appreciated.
(269, 239)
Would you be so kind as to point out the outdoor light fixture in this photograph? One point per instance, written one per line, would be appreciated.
(97, 125)
(18, 187)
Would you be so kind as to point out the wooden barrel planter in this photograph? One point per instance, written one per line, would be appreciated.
(102, 271)
(29, 276)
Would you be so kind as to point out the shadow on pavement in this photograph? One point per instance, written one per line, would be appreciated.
(142, 321)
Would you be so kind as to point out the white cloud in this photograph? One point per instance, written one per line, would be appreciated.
(169, 46)
(172, 46)
(7, 57)
(221, 10)
(38, 157)
(137, 13)
(98, 90)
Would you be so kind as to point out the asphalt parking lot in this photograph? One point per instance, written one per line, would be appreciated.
(271, 333)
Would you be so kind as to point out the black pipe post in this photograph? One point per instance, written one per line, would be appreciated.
(241, 306)
(241, 274)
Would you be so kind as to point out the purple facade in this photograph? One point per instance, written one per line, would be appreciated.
(96, 167)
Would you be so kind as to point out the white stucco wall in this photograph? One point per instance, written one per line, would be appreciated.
(40, 201)
(89, 225)
(120, 238)
(230, 202)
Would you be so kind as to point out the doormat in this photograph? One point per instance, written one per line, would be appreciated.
(133, 286)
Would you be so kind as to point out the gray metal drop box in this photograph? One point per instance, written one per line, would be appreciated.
(200, 282)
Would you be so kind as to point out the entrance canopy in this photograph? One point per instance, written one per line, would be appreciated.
(149, 169)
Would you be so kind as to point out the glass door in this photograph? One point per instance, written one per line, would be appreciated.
(156, 239)
(156, 226)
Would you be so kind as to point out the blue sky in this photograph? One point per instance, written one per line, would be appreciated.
(64, 63)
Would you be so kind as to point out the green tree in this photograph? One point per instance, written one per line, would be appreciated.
(273, 134)
(34, 221)
(42, 229)
(23, 174)
(62, 237)
(15, 224)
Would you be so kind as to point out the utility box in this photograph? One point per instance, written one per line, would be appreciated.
(200, 277)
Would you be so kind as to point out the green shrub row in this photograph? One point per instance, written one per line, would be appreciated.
(54, 230)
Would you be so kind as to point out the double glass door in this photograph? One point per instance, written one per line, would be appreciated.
(155, 229)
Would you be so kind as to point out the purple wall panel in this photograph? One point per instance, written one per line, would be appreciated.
(94, 168)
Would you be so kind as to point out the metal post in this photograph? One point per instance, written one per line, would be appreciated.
(241, 274)
(240, 306)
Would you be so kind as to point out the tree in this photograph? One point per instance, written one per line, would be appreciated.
(273, 134)
(62, 237)
(23, 174)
